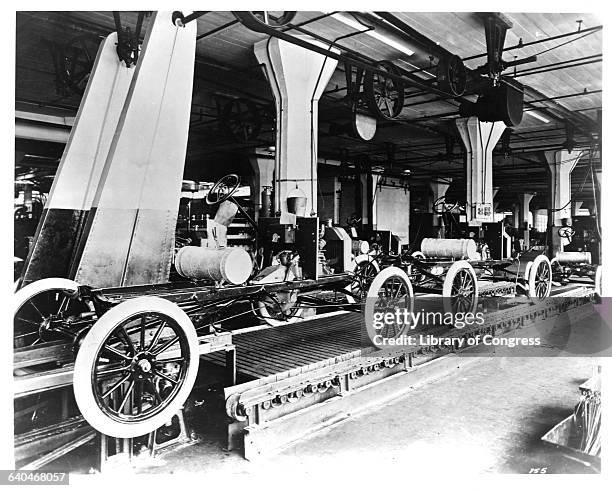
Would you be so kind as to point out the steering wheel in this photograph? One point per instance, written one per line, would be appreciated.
(441, 206)
(566, 232)
(223, 189)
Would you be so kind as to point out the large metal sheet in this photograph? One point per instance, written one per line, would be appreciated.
(131, 227)
(80, 168)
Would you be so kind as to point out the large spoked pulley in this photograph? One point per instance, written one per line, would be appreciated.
(452, 75)
(539, 278)
(390, 292)
(136, 367)
(241, 119)
(384, 95)
(262, 20)
(43, 308)
(74, 62)
(223, 189)
(460, 288)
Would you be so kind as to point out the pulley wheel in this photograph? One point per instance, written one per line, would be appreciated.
(384, 95)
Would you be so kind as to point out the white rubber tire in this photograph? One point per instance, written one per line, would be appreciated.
(447, 287)
(531, 277)
(40, 286)
(599, 281)
(86, 357)
(378, 282)
(527, 270)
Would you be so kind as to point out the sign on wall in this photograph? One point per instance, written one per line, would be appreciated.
(484, 212)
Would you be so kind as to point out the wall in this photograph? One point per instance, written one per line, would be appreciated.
(392, 208)
(326, 198)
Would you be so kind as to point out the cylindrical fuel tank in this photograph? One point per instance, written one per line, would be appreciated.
(573, 257)
(266, 202)
(450, 248)
(230, 264)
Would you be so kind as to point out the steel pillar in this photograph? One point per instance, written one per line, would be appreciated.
(80, 168)
(369, 182)
(479, 139)
(561, 164)
(524, 200)
(132, 222)
(495, 203)
(516, 216)
(337, 200)
(297, 77)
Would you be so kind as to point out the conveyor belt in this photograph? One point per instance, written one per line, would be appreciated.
(291, 349)
(303, 345)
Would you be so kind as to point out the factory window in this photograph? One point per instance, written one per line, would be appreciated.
(540, 220)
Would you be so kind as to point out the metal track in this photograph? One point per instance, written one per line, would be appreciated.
(301, 381)
(32, 376)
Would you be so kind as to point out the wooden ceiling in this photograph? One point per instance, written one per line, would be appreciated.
(225, 59)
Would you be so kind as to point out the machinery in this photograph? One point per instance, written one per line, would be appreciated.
(137, 348)
(566, 265)
(460, 272)
(127, 317)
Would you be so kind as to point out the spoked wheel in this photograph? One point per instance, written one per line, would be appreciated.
(38, 305)
(460, 288)
(223, 189)
(364, 273)
(75, 62)
(452, 75)
(136, 367)
(384, 95)
(390, 291)
(539, 278)
(279, 308)
(258, 21)
(241, 119)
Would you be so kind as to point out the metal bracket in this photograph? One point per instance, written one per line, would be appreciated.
(128, 44)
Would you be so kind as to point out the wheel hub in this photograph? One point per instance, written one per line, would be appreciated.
(143, 365)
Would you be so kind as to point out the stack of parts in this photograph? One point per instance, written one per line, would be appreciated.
(587, 417)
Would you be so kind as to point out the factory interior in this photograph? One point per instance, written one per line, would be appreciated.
(213, 210)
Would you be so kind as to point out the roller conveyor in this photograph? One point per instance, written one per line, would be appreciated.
(286, 350)
(298, 347)
(295, 378)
